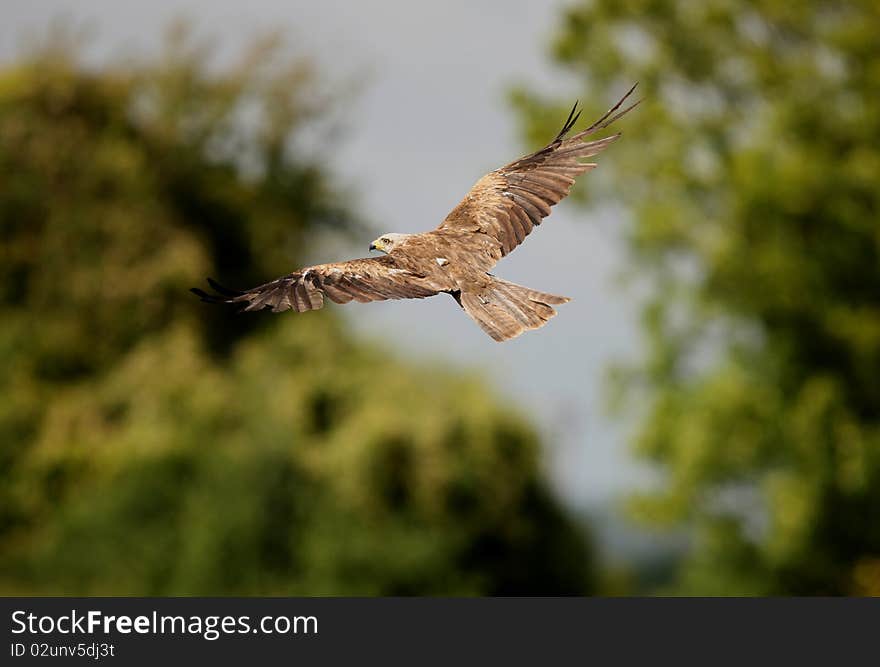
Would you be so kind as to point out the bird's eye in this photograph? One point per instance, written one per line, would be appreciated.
(385, 241)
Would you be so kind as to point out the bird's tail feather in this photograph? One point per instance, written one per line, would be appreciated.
(504, 310)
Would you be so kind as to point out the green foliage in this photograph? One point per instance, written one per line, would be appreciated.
(150, 444)
(752, 172)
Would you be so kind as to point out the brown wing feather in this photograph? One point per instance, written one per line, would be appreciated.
(370, 279)
(508, 203)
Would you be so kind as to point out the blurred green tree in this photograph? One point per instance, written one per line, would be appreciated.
(152, 445)
(752, 174)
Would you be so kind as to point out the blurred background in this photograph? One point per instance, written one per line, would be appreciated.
(703, 418)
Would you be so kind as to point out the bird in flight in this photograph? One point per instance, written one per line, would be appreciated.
(497, 214)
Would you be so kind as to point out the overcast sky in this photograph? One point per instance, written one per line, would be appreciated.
(431, 119)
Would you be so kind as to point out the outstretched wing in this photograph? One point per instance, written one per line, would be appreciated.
(506, 204)
(370, 279)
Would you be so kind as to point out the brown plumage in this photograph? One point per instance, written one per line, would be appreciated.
(500, 210)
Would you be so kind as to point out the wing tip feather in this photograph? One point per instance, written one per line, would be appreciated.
(569, 122)
(223, 295)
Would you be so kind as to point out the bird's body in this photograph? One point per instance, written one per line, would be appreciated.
(496, 215)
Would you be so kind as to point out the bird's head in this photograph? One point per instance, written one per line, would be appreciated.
(388, 242)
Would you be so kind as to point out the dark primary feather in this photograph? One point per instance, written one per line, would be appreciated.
(572, 119)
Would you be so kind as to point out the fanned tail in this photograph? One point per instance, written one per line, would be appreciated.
(504, 310)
